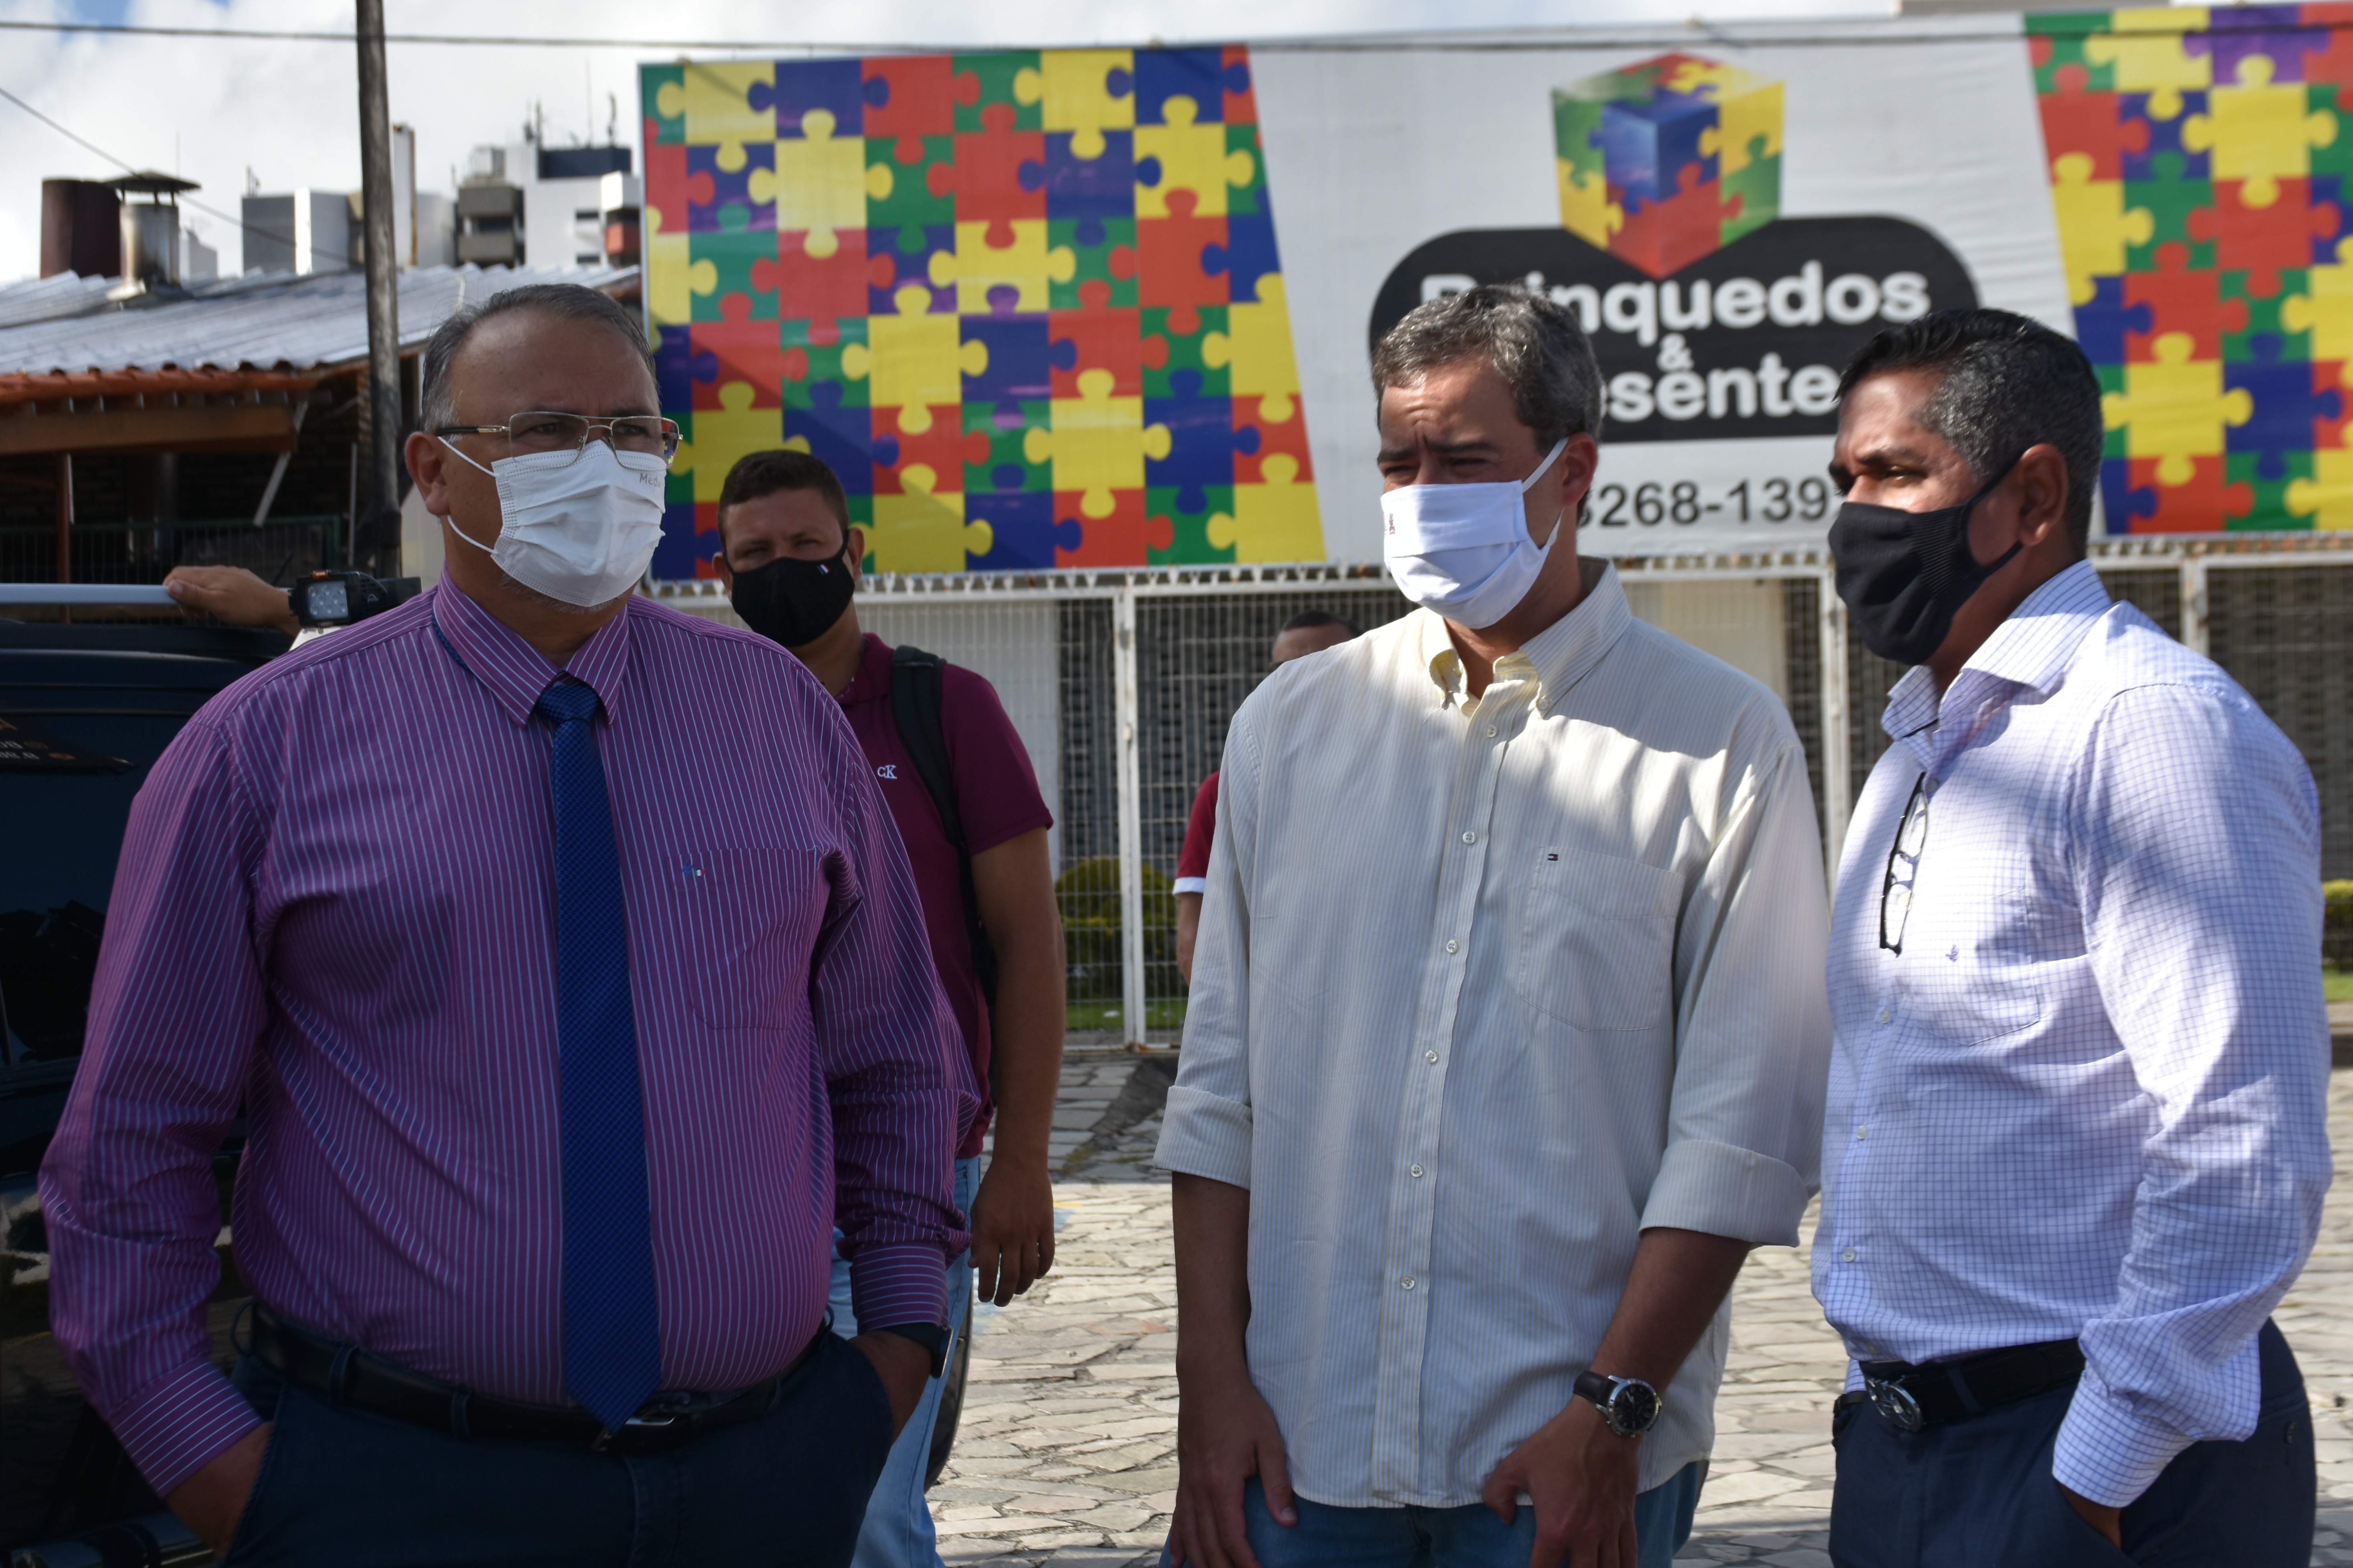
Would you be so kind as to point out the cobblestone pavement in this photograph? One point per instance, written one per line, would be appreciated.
(1067, 1453)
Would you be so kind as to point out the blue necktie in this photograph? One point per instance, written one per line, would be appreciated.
(612, 1328)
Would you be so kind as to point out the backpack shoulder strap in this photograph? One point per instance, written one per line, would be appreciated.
(918, 700)
(918, 707)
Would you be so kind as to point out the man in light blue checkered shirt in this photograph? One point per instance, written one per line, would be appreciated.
(2075, 1145)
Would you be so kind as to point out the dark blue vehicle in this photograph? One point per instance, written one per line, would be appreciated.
(84, 712)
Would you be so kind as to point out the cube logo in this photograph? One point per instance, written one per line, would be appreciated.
(1668, 160)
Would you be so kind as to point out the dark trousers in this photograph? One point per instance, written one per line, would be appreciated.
(1970, 1493)
(357, 1489)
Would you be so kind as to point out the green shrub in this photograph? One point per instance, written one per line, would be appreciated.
(1088, 896)
(2336, 925)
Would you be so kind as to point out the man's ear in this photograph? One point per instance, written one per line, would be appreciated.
(854, 547)
(427, 459)
(1578, 461)
(1570, 478)
(2041, 494)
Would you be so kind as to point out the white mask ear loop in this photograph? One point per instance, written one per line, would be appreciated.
(1526, 485)
(452, 519)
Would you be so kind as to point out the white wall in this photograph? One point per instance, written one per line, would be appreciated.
(420, 540)
(436, 231)
(1739, 622)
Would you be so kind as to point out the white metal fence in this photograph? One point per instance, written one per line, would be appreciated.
(1122, 684)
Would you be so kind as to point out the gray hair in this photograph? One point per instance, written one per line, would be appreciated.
(438, 401)
(1539, 349)
(2004, 383)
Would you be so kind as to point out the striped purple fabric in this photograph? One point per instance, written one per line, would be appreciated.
(336, 908)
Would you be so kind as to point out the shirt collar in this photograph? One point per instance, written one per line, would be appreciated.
(872, 681)
(1558, 656)
(2032, 649)
(514, 672)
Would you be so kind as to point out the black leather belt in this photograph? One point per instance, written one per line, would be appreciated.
(345, 1375)
(1913, 1396)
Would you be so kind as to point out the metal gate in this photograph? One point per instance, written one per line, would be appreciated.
(1122, 684)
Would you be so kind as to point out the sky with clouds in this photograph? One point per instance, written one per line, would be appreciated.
(211, 110)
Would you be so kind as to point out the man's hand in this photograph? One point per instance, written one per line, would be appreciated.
(1581, 1475)
(2108, 1522)
(231, 594)
(212, 1501)
(903, 1367)
(1012, 1228)
(1225, 1435)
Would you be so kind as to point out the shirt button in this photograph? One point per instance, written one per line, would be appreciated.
(1416, 1172)
(1452, 946)
(1470, 839)
(1861, 1133)
(1407, 1282)
(1430, 1056)
(1886, 1015)
(1847, 1256)
(1491, 732)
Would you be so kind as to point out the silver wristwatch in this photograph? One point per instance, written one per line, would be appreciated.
(1628, 1405)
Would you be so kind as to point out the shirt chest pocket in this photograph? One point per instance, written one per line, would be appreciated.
(1972, 974)
(1598, 941)
(746, 919)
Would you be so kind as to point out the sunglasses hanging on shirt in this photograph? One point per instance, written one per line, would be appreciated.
(1903, 857)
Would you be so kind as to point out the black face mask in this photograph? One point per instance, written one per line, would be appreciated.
(1904, 574)
(792, 602)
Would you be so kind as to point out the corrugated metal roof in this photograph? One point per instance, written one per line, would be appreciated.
(46, 299)
(262, 322)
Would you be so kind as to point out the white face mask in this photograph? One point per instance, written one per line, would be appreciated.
(1463, 549)
(581, 528)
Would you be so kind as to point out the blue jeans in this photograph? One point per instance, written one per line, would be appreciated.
(1980, 1491)
(1464, 1537)
(898, 1531)
(360, 1490)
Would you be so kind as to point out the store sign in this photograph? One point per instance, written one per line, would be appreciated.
(1032, 306)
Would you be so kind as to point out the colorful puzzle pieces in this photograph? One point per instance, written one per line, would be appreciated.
(959, 278)
(1666, 160)
(2196, 164)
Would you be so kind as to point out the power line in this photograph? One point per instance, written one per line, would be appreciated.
(1497, 43)
(84, 141)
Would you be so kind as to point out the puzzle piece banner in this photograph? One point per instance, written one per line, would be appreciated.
(1028, 305)
(2195, 167)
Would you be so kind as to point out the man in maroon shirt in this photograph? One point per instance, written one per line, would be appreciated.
(1309, 631)
(791, 560)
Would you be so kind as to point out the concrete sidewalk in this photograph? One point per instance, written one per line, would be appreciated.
(1068, 1449)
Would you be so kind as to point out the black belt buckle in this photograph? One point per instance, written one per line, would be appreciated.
(1894, 1404)
(652, 1432)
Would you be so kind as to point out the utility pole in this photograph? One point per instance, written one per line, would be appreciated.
(382, 540)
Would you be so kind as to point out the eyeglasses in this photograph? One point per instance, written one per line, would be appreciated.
(539, 431)
(1895, 896)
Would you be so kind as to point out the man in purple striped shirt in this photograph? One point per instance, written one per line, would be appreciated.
(338, 910)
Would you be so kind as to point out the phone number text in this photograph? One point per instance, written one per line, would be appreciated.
(1659, 503)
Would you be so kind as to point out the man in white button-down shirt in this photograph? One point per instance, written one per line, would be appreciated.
(2077, 1142)
(1503, 1045)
